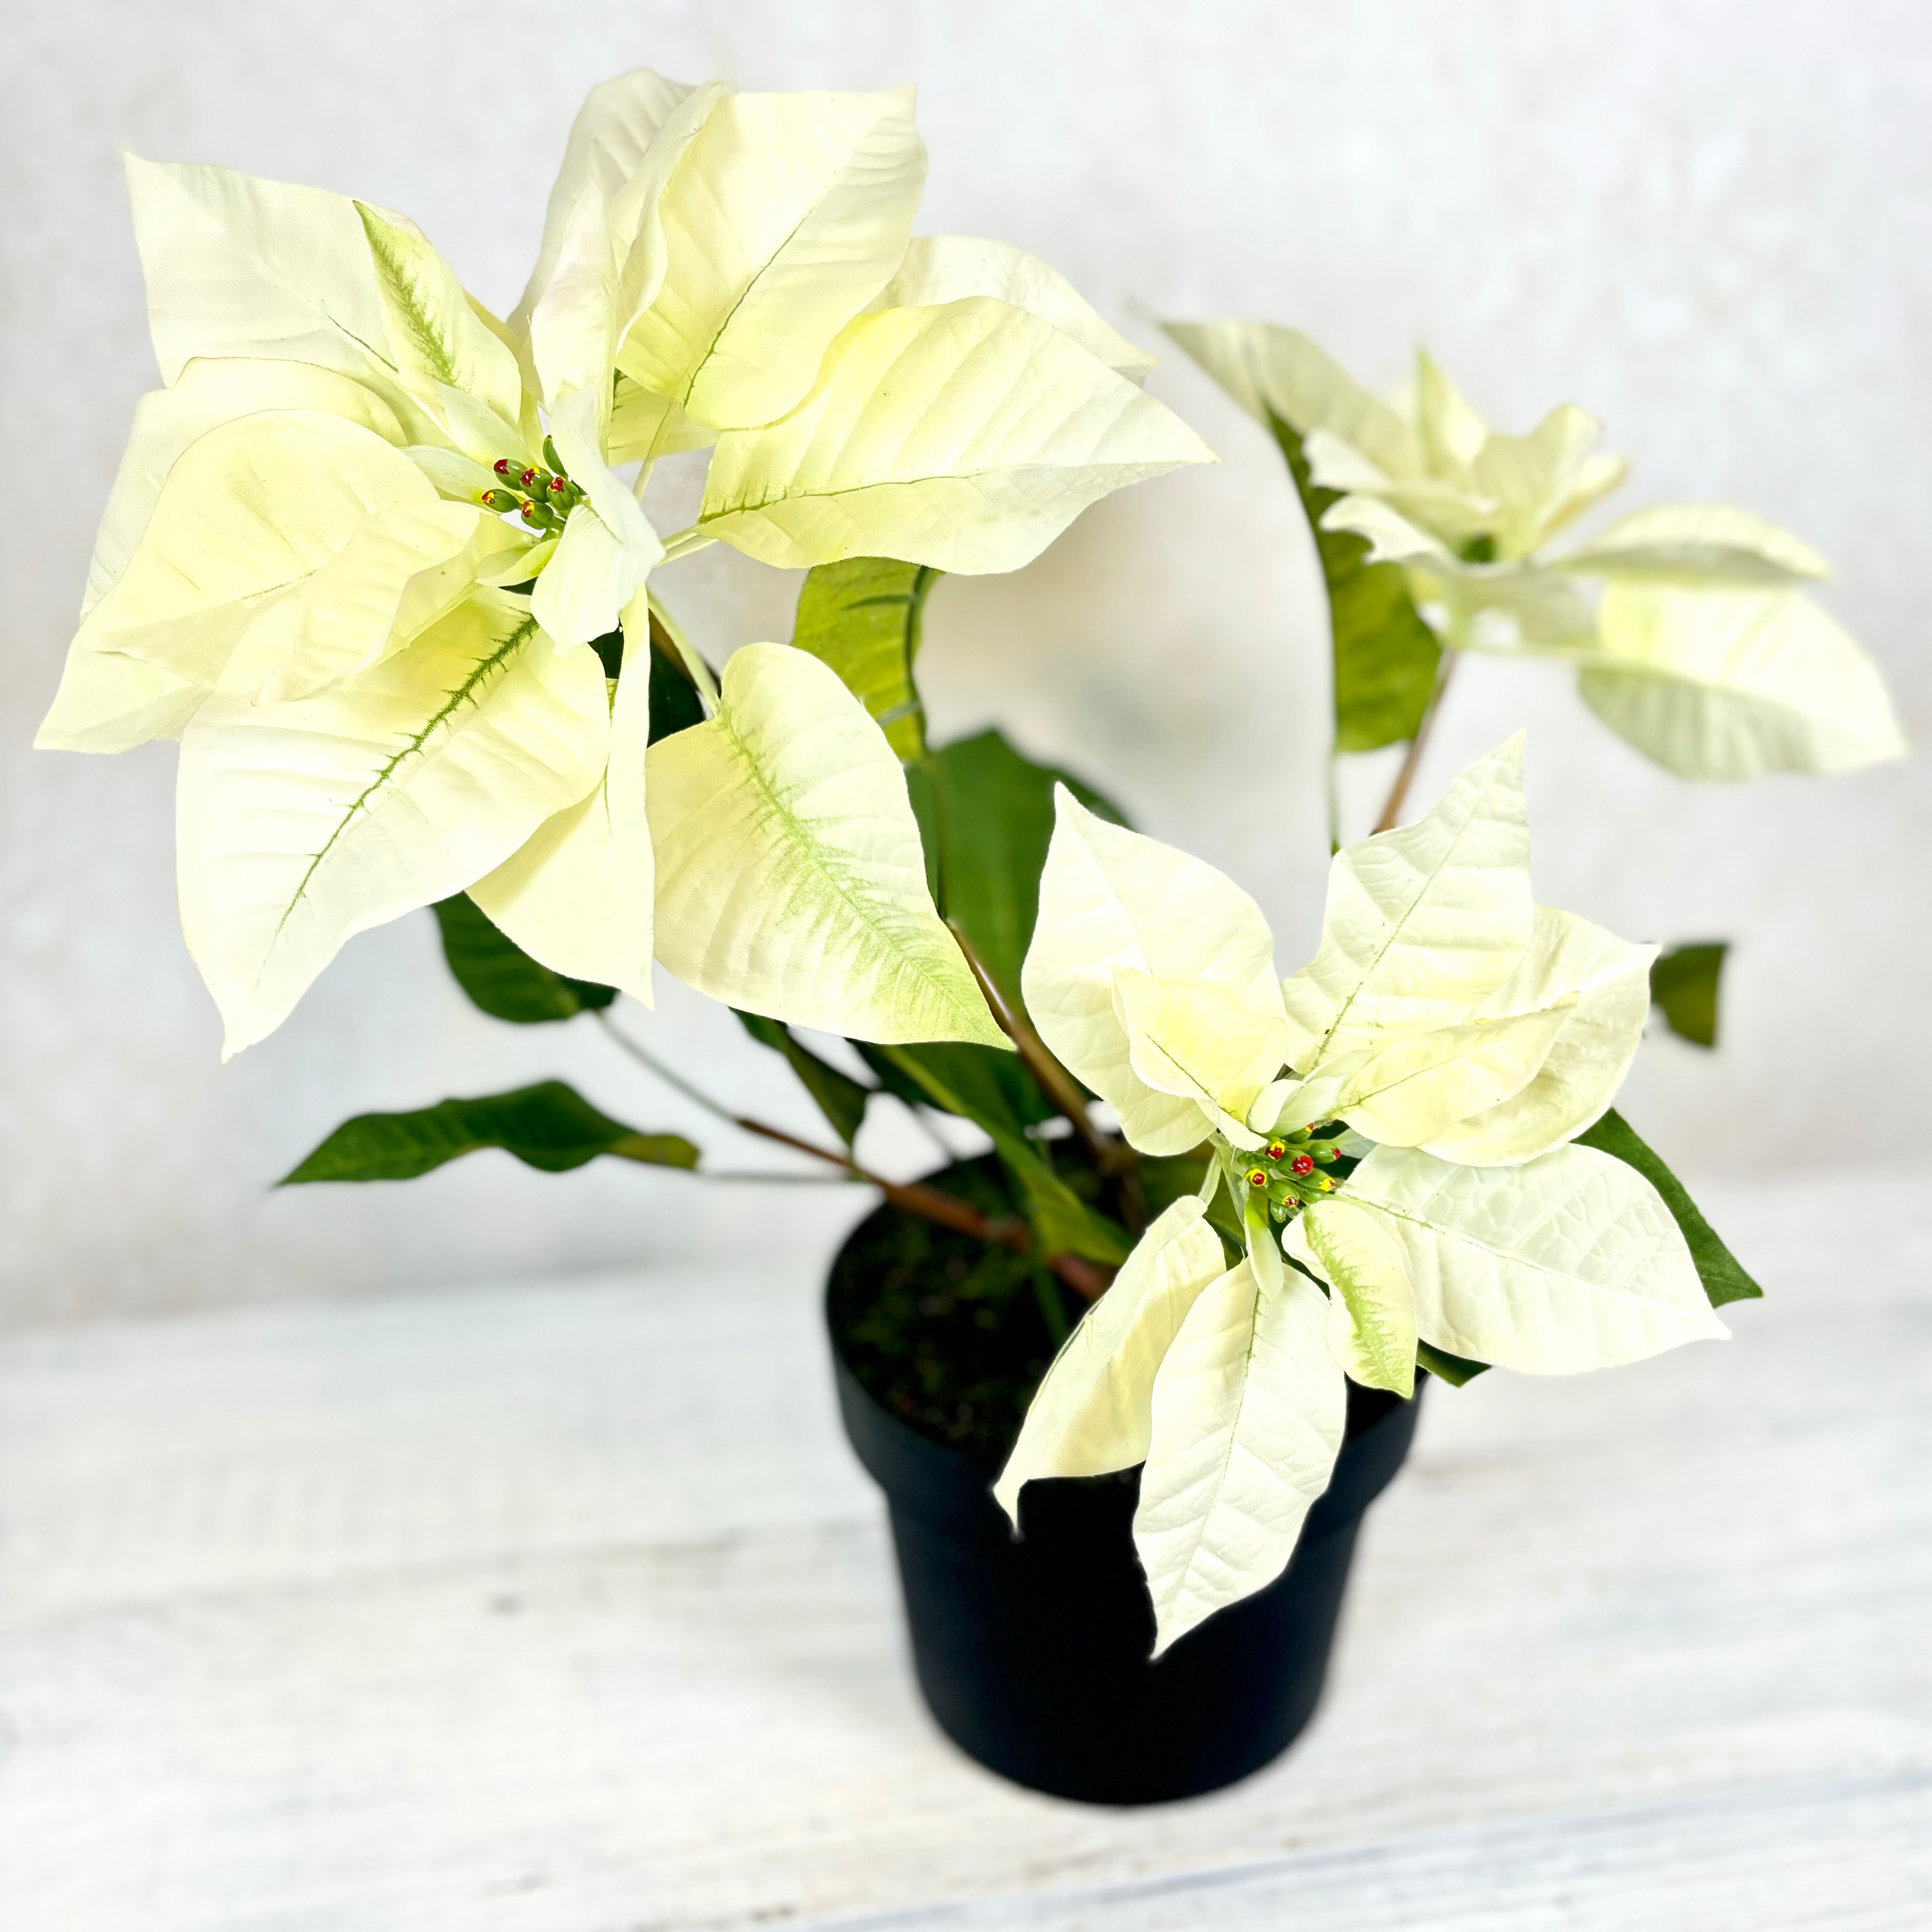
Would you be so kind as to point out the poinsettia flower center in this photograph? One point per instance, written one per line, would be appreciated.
(1285, 1171)
(543, 497)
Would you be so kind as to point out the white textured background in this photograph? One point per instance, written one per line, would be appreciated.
(1707, 220)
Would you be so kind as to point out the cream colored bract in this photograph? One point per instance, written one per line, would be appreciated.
(363, 539)
(1698, 645)
(1448, 1042)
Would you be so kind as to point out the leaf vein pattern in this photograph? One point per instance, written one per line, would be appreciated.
(412, 747)
(849, 890)
(1395, 931)
(1493, 1254)
(1216, 1484)
(422, 332)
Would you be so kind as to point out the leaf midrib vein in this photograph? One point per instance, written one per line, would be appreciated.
(833, 875)
(410, 748)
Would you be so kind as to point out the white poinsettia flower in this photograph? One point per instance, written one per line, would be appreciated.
(746, 264)
(1441, 1052)
(365, 537)
(1688, 624)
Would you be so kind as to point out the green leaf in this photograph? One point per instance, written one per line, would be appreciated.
(1164, 1178)
(923, 791)
(1063, 1223)
(862, 617)
(549, 1126)
(675, 704)
(1683, 987)
(992, 818)
(973, 1083)
(609, 650)
(1724, 1277)
(502, 978)
(1385, 655)
(841, 1099)
(1454, 1370)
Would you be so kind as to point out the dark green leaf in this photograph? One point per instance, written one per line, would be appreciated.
(841, 1099)
(922, 790)
(609, 650)
(675, 704)
(1063, 1223)
(968, 1081)
(1385, 655)
(549, 1126)
(1684, 986)
(501, 977)
(1167, 1178)
(972, 1081)
(993, 818)
(1454, 1370)
(861, 617)
(1724, 1278)
(1223, 1217)
(893, 1077)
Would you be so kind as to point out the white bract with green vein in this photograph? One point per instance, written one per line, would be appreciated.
(364, 536)
(1699, 646)
(1440, 1054)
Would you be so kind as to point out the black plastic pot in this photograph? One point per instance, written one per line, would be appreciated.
(1033, 1654)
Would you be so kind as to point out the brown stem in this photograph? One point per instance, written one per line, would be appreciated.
(1412, 758)
(915, 1197)
(934, 1204)
(1054, 1081)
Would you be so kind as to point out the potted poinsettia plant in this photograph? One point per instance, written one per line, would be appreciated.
(380, 560)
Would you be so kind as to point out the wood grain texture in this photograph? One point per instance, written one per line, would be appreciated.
(564, 1609)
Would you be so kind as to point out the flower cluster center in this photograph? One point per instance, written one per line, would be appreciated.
(543, 497)
(1287, 1171)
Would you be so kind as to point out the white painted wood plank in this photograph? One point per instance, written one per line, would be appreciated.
(1856, 1856)
(196, 1453)
(409, 1616)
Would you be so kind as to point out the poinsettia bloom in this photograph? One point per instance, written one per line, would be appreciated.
(1405, 1104)
(1687, 624)
(364, 537)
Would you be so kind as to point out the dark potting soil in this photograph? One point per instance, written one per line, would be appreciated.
(946, 1331)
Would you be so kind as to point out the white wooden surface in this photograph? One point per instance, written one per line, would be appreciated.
(563, 1609)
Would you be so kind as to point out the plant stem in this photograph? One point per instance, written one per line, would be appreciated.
(683, 543)
(626, 1044)
(1054, 1080)
(1412, 758)
(934, 1204)
(913, 1197)
(771, 1178)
